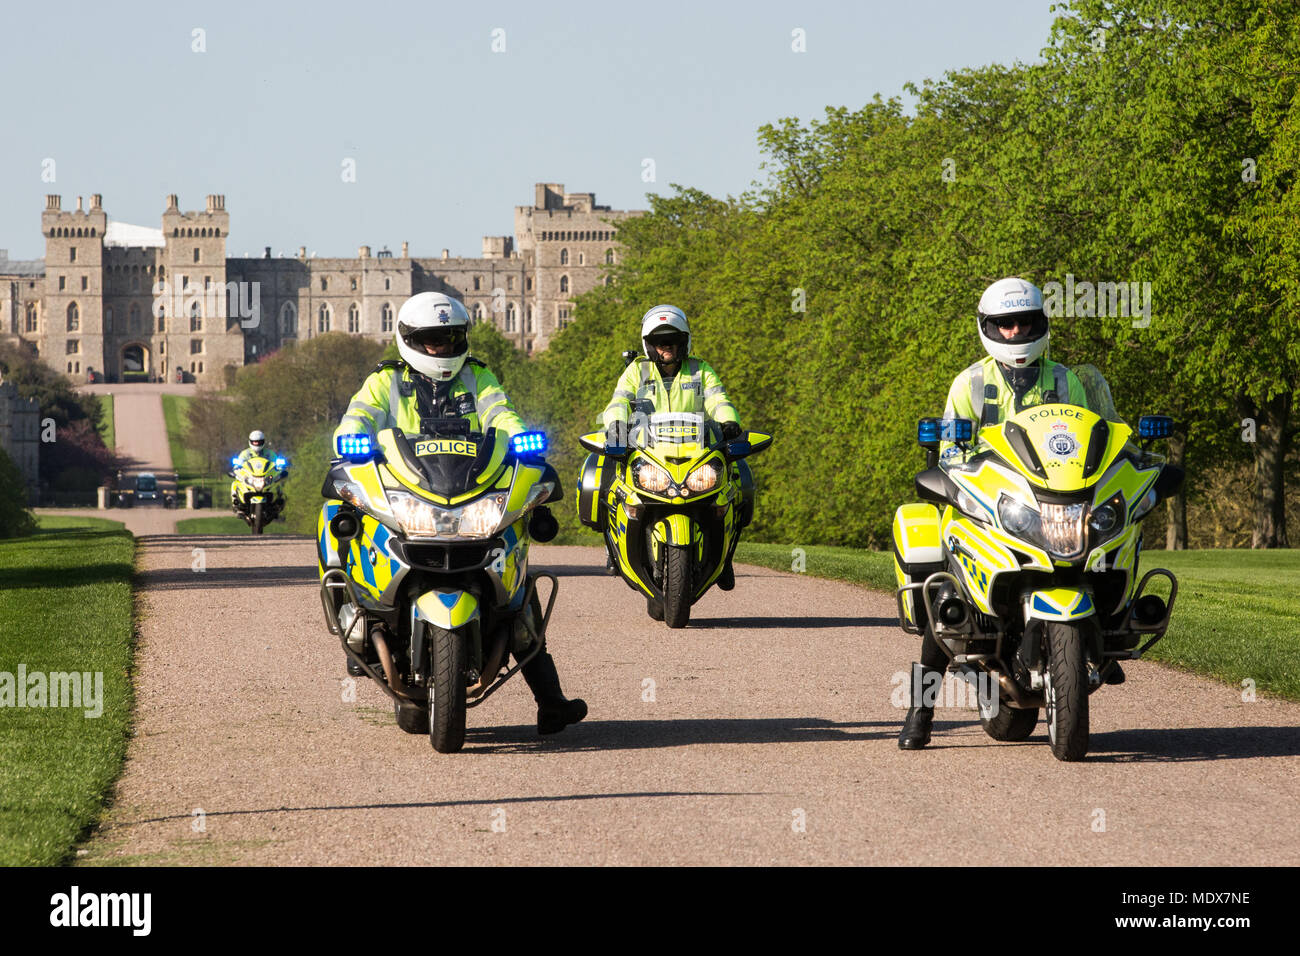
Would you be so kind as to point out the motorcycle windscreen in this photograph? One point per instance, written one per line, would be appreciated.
(452, 466)
(674, 435)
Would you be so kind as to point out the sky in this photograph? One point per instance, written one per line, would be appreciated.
(333, 125)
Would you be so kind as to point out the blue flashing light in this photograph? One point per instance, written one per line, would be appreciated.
(956, 429)
(1155, 426)
(234, 461)
(927, 431)
(280, 462)
(355, 447)
(529, 443)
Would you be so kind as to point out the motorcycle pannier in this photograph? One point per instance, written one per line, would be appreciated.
(594, 481)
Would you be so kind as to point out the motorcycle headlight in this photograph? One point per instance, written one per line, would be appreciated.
(703, 478)
(1062, 528)
(1145, 505)
(650, 477)
(1105, 519)
(418, 518)
(350, 492)
(1015, 516)
(257, 484)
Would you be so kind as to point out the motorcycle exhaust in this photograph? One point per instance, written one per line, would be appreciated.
(393, 679)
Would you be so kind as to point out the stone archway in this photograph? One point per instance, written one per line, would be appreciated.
(136, 366)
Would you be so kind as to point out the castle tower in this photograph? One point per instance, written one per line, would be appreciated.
(73, 339)
(200, 332)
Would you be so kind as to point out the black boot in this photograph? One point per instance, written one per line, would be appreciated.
(554, 712)
(727, 579)
(916, 726)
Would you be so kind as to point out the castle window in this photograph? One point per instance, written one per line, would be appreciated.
(324, 283)
(609, 257)
(108, 320)
(207, 282)
(564, 257)
(562, 316)
(582, 259)
(200, 368)
(323, 319)
(528, 283)
(196, 346)
(196, 253)
(162, 346)
(133, 318)
(74, 346)
(162, 270)
(386, 315)
(72, 254)
(510, 282)
(288, 319)
(216, 232)
(85, 282)
(388, 284)
(74, 318)
(510, 317)
(354, 318)
(354, 283)
(564, 283)
(63, 283)
(478, 312)
(196, 318)
(162, 317)
(135, 283)
(478, 283)
(31, 317)
(530, 319)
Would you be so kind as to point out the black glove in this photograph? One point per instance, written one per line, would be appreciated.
(731, 431)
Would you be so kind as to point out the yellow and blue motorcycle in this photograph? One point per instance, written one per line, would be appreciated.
(1022, 561)
(671, 505)
(422, 547)
(256, 494)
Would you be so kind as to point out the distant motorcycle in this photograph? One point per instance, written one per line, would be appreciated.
(255, 494)
(671, 506)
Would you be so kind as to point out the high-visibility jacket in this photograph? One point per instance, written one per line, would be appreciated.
(388, 399)
(695, 388)
(981, 392)
(248, 453)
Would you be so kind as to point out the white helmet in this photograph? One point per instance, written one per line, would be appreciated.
(1023, 300)
(257, 441)
(669, 319)
(433, 318)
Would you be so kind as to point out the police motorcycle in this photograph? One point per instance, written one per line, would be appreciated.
(1022, 561)
(422, 547)
(255, 493)
(671, 505)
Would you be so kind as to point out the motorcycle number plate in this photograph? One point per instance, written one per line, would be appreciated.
(255, 499)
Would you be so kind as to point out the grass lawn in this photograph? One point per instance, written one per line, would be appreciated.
(1234, 619)
(107, 427)
(188, 463)
(226, 524)
(65, 605)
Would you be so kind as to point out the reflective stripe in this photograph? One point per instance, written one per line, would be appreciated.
(489, 397)
(395, 394)
(977, 390)
(626, 396)
(362, 406)
(468, 380)
(367, 424)
(716, 390)
(486, 419)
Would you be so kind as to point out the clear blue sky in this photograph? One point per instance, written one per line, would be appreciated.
(447, 135)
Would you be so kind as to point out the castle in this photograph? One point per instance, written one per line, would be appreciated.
(136, 303)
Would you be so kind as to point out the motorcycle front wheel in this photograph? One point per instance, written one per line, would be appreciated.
(257, 518)
(1066, 691)
(447, 704)
(677, 585)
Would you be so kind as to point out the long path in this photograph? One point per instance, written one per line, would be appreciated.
(764, 733)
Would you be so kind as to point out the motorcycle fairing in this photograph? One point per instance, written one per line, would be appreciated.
(1061, 448)
(481, 473)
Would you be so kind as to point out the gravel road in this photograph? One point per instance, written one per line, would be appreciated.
(762, 734)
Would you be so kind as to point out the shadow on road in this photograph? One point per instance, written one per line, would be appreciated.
(645, 734)
(794, 622)
(436, 804)
(1178, 744)
(186, 578)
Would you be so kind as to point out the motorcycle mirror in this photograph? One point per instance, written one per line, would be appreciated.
(736, 448)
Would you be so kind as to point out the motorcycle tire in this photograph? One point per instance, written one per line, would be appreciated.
(1010, 723)
(447, 707)
(677, 585)
(257, 518)
(412, 718)
(655, 608)
(1066, 693)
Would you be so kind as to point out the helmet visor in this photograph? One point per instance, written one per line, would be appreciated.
(440, 340)
(1016, 328)
(673, 338)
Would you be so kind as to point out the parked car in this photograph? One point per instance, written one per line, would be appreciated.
(146, 488)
